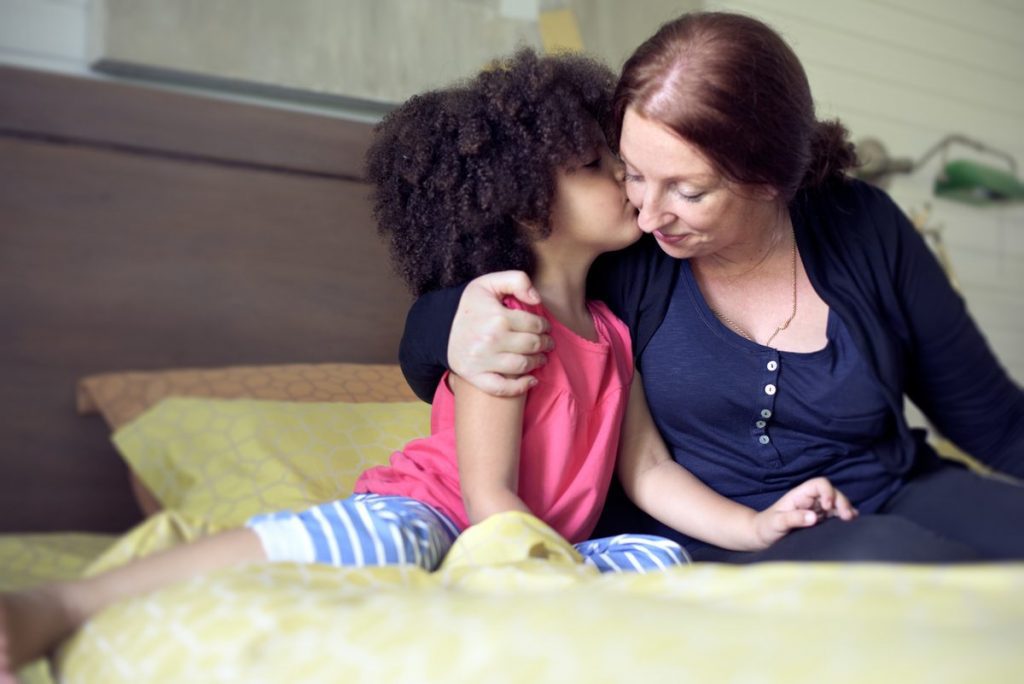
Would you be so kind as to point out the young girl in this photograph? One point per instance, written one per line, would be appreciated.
(509, 171)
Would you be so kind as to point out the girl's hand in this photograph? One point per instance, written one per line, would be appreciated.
(803, 506)
(493, 347)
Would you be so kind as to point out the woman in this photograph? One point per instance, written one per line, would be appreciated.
(779, 315)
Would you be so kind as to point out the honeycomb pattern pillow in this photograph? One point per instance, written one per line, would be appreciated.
(123, 396)
(227, 459)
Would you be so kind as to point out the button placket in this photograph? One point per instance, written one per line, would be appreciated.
(768, 391)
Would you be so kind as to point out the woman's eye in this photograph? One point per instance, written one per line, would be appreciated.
(631, 177)
(696, 197)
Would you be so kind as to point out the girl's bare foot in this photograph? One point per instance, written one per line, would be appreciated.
(32, 623)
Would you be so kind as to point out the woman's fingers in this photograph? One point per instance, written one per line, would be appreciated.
(494, 347)
(506, 352)
(501, 283)
(514, 365)
(503, 386)
(525, 322)
(512, 342)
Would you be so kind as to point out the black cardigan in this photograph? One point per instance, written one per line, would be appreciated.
(870, 265)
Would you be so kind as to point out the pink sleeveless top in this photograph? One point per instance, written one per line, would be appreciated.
(571, 426)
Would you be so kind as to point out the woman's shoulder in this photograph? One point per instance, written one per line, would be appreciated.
(848, 201)
(848, 212)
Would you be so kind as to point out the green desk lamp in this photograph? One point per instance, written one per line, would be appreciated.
(960, 180)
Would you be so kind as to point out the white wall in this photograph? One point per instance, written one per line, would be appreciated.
(44, 34)
(909, 72)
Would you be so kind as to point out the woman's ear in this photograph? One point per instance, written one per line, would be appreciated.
(764, 193)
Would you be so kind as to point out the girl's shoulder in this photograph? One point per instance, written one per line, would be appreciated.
(603, 314)
(611, 328)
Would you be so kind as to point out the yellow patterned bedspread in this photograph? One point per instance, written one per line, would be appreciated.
(512, 604)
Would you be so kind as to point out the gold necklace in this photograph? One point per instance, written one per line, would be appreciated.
(785, 324)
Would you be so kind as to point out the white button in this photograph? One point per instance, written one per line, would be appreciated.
(769, 389)
(760, 423)
(764, 439)
(766, 413)
(772, 365)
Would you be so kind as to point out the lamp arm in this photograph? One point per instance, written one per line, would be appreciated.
(964, 140)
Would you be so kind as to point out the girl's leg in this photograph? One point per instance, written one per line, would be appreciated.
(362, 530)
(34, 621)
(632, 553)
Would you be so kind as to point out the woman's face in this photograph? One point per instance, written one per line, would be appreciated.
(690, 208)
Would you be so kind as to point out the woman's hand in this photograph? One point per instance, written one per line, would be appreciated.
(493, 347)
(803, 506)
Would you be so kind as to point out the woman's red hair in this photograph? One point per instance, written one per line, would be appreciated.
(730, 85)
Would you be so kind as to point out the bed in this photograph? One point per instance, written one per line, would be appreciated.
(200, 324)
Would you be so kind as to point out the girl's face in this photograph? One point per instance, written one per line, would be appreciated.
(590, 207)
(689, 207)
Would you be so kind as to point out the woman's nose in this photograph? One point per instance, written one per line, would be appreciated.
(651, 217)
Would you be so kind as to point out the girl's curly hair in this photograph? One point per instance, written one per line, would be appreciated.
(457, 172)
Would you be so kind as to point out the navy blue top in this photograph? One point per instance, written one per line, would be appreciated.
(753, 422)
(878, 277)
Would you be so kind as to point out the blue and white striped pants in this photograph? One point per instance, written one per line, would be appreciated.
(372, 529)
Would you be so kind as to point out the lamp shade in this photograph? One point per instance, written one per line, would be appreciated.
(974, 183)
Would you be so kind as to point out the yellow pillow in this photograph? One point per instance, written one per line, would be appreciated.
(225, 460)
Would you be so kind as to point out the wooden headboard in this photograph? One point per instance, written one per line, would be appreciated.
(144, 229)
